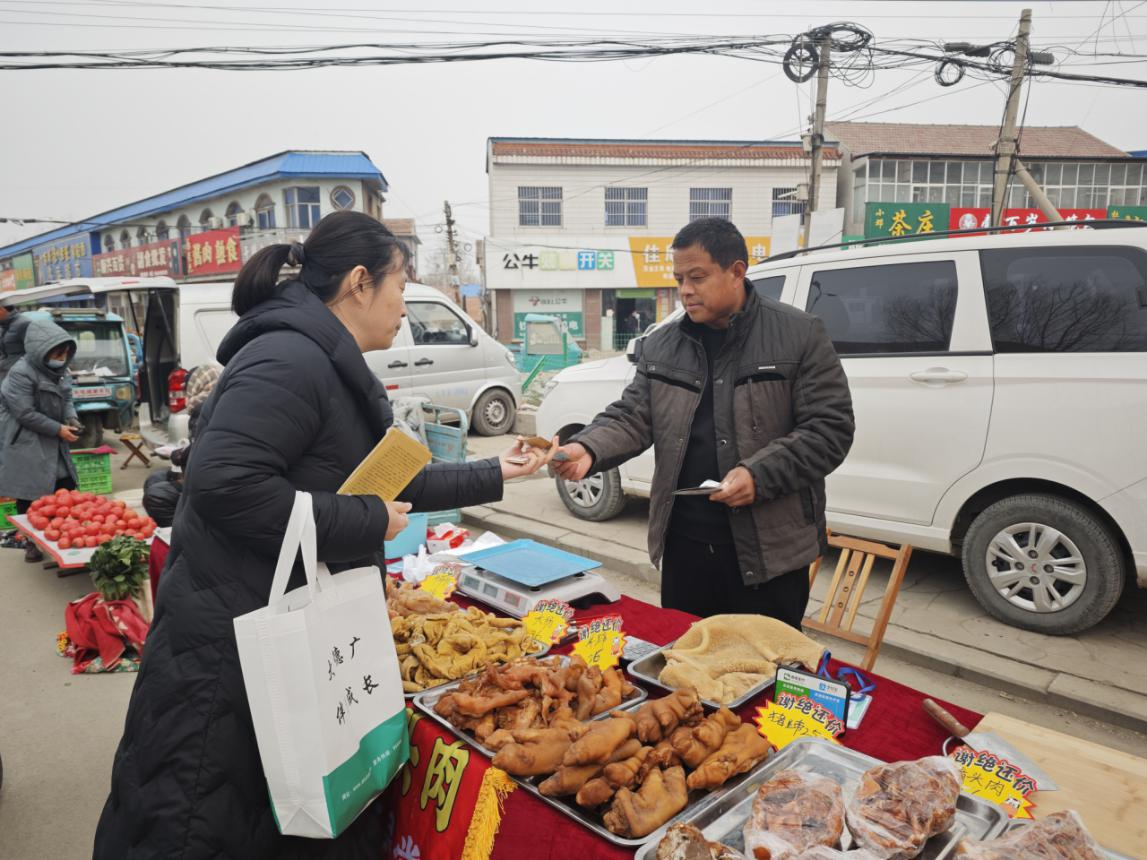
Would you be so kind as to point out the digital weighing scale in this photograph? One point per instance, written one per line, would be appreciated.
(514, 576)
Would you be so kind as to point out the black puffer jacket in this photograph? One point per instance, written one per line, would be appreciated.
(296, 409)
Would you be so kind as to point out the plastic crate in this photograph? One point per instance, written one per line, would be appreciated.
(94, 472)
(7, 509)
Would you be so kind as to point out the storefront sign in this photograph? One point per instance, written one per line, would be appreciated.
(1127, 213)
(146, 261)
(790, 717)
(566, 305)
(653, 258)
(67, 258)
(903, 219)
(558, 260)
(962, 218)
(215, 252)
(17, 273)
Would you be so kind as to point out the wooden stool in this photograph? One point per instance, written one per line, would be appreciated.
(134, 444)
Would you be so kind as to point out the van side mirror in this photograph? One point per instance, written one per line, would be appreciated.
(633, 350)
(473, 331)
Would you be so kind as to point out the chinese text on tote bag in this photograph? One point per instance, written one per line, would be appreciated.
(322, 681)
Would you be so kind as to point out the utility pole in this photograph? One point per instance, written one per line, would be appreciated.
(817, 135)
(452, 252)
(1006, 146)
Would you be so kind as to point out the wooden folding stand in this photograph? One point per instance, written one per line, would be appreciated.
(134, 444)
(845, 593)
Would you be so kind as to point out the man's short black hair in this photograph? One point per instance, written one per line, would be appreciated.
(719, 237)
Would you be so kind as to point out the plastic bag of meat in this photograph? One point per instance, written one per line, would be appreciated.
(898, 807)
(823, 852)
(1058, 836)
(793, 812)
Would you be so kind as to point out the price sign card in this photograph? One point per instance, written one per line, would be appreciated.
(442, 581)
(548, 622)
(832, 695)
(997, 780)
(600, 642)
(790, 717)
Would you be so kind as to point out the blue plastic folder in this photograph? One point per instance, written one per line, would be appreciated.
(529, 563)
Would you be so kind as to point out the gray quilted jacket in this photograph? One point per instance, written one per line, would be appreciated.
(781, 408)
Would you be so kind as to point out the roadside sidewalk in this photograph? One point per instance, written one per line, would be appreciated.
(936, 622)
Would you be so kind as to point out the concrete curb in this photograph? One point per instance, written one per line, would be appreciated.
(1104, 702)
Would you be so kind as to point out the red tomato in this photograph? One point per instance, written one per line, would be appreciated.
(63, 510)
(65, 543)
(103, 538)
(97, 518)
(47, 511)
(52, 534)
(91, 530)
(90, 541)
(119, 532)
(36, 505)
(134, 523)
(61, 492)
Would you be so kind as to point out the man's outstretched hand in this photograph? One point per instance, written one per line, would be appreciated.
(577, 464)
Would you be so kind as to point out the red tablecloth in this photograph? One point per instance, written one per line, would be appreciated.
(895, 728)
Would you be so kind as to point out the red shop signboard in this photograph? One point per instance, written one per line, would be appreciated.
(1027, 219)
(146, 261)
(215, 252)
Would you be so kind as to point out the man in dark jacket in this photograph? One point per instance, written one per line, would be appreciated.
(13, 325)
(745, 391)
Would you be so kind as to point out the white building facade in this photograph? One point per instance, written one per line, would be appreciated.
(582, 228)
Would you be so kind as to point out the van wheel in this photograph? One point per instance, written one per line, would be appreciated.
(494, 413)
(1043, 563)
(597, 498)
(92, 434)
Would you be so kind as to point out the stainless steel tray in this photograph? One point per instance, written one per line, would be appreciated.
(540, 653)
(723, 820)
(1018, 823)
(427, 699)
(698, 802)
(648, 670)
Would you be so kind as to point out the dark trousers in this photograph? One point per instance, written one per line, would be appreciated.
(705, 579)
(22, 505)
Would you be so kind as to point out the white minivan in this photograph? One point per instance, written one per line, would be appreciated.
(1000, 387)
(439, 354)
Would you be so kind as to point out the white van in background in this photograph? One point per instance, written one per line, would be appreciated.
(439, 354)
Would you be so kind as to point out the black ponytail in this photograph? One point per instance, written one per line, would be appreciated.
(338, 243)
(258, 278)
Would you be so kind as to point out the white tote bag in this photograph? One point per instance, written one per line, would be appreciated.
(323, 684)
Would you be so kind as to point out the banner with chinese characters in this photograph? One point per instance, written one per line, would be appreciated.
(904, 219)
(17, 273)
(653, 258)
(1127, 213)
(965, 218)
(67, 258)
(146, 261)
(215, 252)
(442, 794)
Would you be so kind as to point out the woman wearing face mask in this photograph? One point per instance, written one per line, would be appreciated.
(296, 409)
(38, 420)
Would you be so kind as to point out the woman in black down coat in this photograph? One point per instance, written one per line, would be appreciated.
(296, 409)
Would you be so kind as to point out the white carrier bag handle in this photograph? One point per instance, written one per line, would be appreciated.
(323, 685)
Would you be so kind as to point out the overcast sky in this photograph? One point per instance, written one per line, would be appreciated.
(74, 143)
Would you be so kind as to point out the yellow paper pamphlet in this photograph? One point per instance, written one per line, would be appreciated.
(388, 468)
